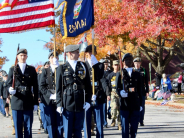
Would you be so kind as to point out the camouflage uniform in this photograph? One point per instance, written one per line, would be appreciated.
(115, 99)
(115, 106)
(10, 111)
(39, 116)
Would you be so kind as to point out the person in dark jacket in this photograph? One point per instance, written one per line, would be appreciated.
(131, 98)
(73, 92)
(2, 110)
(107, 71)
(24, 95)
(144, 86)
(5, 93)
(48, 97)
(99, 97)
(40, 96)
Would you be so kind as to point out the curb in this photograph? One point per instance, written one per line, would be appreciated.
(170, 104)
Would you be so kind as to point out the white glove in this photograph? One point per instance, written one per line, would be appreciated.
(140, 108)
(93, 60)
(59, 110)
(12, 91)
(86, 106)
(123, 94)
(35, 107)
(53, 96)
(55, 61)
(93, 98)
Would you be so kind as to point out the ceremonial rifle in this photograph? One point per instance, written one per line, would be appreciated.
(121, 66)
(121, 72)
(15, 69)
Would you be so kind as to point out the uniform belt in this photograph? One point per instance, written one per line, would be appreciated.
(23, 88)
(75, 87)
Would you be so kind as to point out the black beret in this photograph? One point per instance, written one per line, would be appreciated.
(52, 54)
(24, 51)
(89, 48)
(72, 48)
(126, 56)
(138, 59)
(46, 63)
(4, 74)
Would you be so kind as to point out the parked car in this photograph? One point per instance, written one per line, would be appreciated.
(174, 82)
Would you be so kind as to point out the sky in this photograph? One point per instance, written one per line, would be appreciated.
(36, 52)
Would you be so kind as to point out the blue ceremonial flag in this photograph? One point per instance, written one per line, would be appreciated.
(77, 16)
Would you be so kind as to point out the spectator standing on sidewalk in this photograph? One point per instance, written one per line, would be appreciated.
(179, 82)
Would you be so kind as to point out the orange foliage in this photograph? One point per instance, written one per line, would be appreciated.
(141, 20)
(38, 65)
(2, 59)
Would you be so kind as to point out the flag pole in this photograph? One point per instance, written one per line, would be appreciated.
(64, 56)
(55, 54)
(93, 78)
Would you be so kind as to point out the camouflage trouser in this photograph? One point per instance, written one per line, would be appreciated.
(39, 116)
(10, 111)
(115, 107)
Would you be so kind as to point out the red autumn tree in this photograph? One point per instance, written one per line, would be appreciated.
(152, 26)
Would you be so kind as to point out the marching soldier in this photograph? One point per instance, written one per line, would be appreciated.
(107, 71)
(99, 98)
(115, 99)
(5, 94)
(144, 86)
(2, 110)
(23, 101)
(41, 104)
(73, 89)
(10, 110)
(131, 98)
(39, 112)
(48, 98)
(46, 64)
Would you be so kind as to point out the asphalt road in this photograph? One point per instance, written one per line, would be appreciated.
(160, 122)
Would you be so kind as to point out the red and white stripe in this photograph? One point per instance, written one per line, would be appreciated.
(25, 16)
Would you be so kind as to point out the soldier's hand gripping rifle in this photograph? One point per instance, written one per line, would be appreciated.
(15, 69)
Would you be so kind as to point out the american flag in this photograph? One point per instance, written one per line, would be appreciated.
(26, 15)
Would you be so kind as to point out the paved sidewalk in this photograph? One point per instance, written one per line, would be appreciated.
(160, 122)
